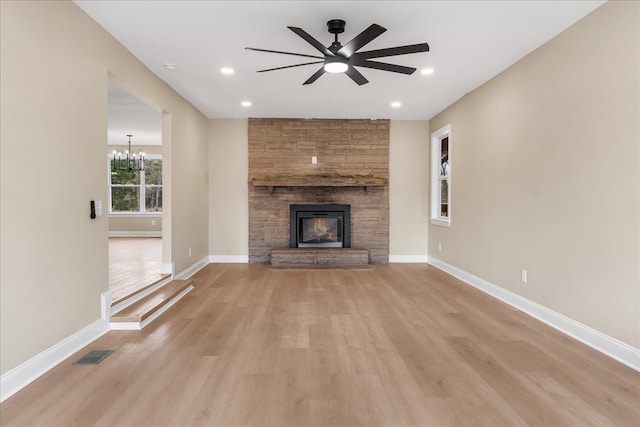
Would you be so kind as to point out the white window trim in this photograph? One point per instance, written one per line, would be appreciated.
(142, 190)
(436, 137)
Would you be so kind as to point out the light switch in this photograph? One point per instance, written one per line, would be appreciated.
(314, 160)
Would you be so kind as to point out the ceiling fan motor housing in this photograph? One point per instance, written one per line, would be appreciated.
(336, 26)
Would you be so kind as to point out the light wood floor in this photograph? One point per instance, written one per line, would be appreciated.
(133, 263)
(399, 345)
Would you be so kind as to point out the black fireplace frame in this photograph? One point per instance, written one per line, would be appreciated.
(295, 212)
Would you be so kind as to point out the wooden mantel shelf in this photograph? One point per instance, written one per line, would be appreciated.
(319, 181)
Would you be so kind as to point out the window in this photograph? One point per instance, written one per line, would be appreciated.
(137, 191)
(441, 177)
(152, 191)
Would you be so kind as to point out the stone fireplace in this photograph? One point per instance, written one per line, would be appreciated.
(352, 170)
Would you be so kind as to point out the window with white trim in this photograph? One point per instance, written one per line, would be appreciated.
(137, 191)
(441, 176)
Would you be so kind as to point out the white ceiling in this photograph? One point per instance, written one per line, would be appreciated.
(128, 115)
(471, 41)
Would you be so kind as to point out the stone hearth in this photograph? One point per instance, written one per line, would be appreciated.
(313, 257)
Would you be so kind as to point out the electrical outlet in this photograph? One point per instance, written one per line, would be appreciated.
(439, 247)
(523, 276)
(189, 252)
(314, 160)
(153, 222)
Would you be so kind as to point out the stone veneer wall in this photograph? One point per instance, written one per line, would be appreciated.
(349, 149)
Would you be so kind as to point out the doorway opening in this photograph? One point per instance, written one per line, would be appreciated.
(135, 196)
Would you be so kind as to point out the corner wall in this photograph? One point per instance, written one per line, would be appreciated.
(546, 175)
(228, 190)
(408, 190)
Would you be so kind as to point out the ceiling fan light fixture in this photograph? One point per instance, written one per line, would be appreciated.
(335, 66)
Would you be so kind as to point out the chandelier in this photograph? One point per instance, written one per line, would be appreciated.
(127, 161)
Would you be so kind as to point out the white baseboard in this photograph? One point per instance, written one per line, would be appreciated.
(22, 375)
(605, 344)
(407, 258)
(168, 268)
(228, 259)
(193, 269)
(106, 298)
(135, 234)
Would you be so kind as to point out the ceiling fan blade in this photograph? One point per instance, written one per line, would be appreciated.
(382, 66)
(284, 53)
(361, 39)
(315, 76)
(313, 42)
(356, 76)
(289, 66)
(392, 51)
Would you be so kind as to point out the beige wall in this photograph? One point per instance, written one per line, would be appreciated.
(228, 188)
(189, 189)
(135, 223)
(408, 190)
(55, 65)
(545, 175)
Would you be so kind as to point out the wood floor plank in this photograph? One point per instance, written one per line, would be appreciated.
(398, 345)
(134, 263)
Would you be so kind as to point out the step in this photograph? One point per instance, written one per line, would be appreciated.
(319, 257)
(140, 291)
(143, 312)
(121, 304)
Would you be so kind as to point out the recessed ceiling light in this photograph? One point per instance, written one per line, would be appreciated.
(226, 70)
(246, 103)
(427, 71)
(169, 66)
(396, 104)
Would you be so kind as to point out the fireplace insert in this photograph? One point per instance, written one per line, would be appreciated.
(320, 226)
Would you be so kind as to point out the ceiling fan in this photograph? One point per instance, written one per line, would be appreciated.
(342, 59)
